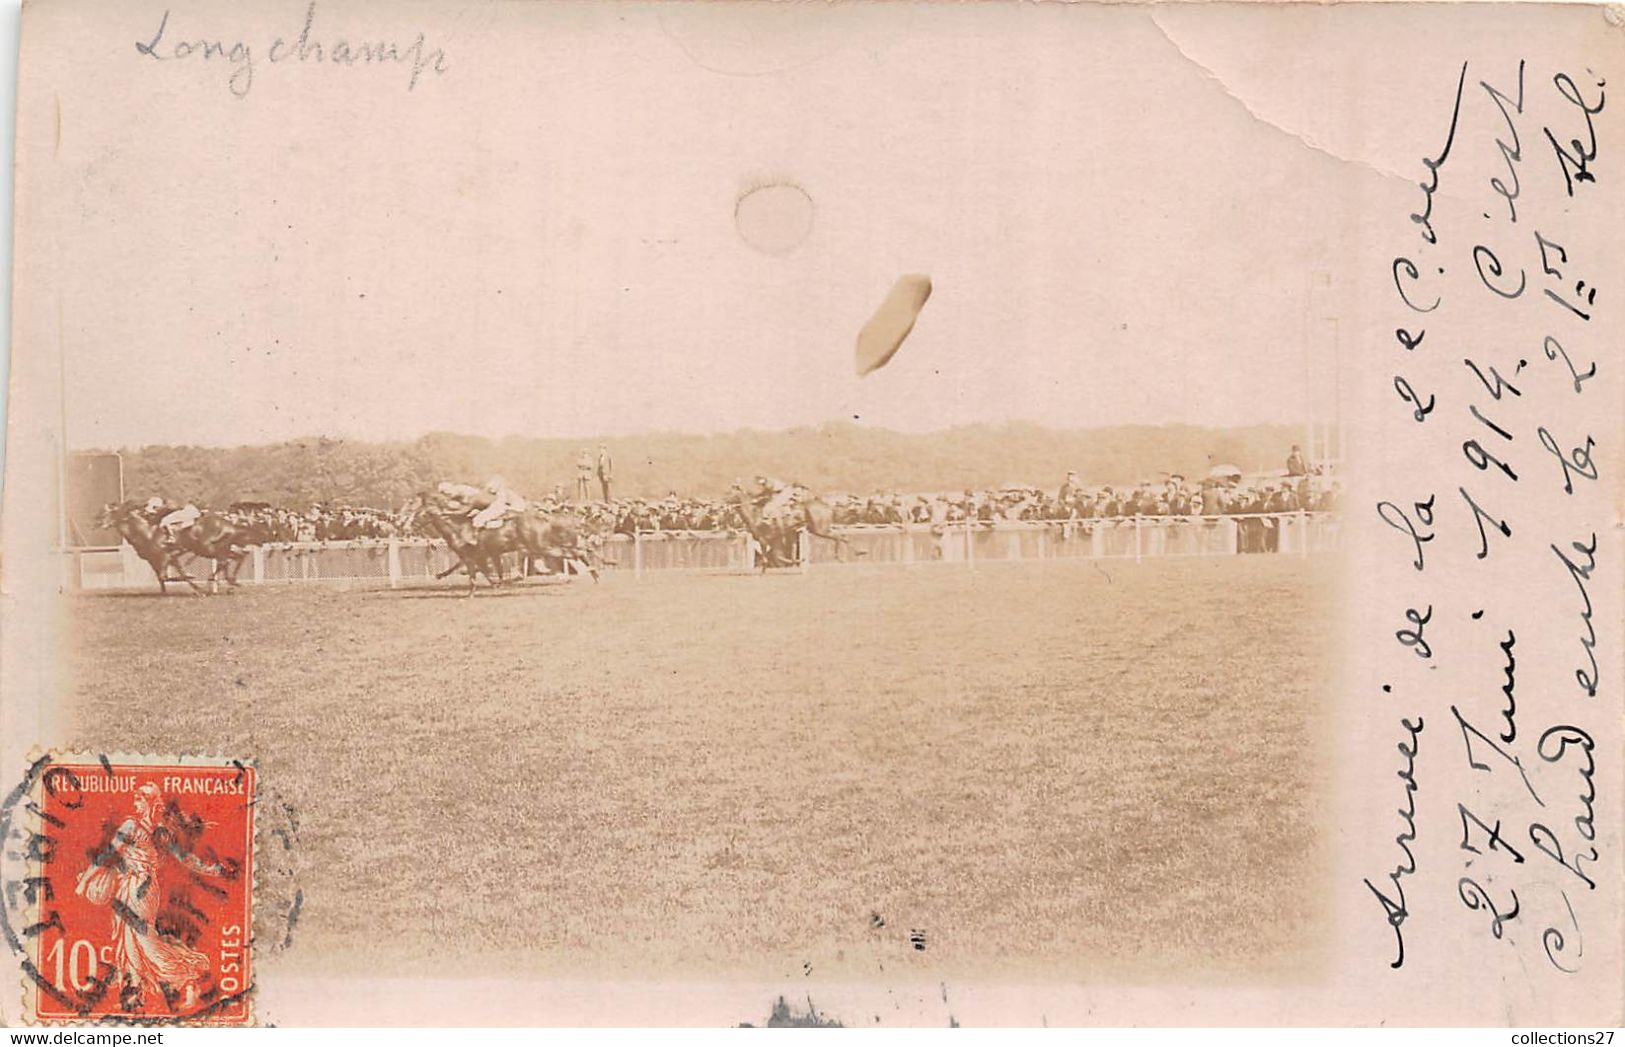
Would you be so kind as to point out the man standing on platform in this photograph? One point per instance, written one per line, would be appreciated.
(584, 475)
(606, 470)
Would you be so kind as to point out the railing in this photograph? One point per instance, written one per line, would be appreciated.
(397, 562)
(1135, 538)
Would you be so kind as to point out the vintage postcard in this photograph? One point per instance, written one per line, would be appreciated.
(863, 514)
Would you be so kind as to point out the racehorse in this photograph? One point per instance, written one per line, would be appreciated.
(571, 545)
(480, 550)
(780, 539)
(147, 540)
(226, 543)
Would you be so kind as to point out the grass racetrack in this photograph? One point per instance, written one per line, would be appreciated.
(1048, 770)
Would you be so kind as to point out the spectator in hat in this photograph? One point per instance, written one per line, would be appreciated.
(1295, 464)
(606, 470)
(584, 475)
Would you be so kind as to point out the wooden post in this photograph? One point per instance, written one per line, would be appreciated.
(804, 550)
(1136, 537)
(637, 552)
(1303, 533)
(259, 563)
(970, 542)
(392, 557)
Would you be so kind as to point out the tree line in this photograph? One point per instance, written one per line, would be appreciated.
(836, 457)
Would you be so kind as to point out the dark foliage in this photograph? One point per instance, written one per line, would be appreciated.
(836, 457)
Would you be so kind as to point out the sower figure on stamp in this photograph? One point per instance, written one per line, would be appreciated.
(153, 965)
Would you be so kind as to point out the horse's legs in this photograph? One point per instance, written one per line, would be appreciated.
(469, 564)
(491, 566)
(174, 560)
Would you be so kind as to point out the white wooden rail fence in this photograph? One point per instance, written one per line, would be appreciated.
(397, 562)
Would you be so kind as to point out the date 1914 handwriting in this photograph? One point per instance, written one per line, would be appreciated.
(1528, 848)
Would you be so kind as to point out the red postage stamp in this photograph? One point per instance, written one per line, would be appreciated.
(143, 891)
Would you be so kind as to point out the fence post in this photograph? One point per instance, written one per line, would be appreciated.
(1303, 533)
(1136, 537)
(804, 550)
(392, 557)
(970, 542)
(259, 563)
(637, 552)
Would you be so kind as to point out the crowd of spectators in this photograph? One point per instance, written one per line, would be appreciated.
(1171, 496)
(319, 523)
(1223, 493)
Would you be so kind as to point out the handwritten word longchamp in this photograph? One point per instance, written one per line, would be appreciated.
(171, 44)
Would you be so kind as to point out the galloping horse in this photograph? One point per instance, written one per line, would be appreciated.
(213, 537)
(147, 540)
(480, 550)
(780, 539)
(568, 548)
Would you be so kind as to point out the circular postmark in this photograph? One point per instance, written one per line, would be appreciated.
(128, 887)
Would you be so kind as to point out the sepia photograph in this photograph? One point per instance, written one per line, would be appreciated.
(846, 508)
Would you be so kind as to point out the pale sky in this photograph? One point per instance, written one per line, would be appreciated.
(543, 242)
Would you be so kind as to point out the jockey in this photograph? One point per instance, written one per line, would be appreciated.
(466, 495)
(179, 519)
(774, 497)
(461, 492)
(502, 501)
